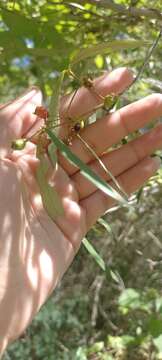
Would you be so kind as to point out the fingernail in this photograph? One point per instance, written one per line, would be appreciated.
(29, 94)
(134, 75)
(156, 162)
(29, 90)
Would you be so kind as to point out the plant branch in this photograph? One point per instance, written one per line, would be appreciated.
(75, 6)
(125, 10)
(145, 62)
(106, 170)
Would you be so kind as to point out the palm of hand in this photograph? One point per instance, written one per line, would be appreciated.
(37, 251)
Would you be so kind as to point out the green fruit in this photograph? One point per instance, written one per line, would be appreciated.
(18, 144)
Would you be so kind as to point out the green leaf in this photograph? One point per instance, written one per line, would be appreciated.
(115, 276)
(8, 39)
(11, 45)
(155, 326)
(31, 27)
(19, 24)
(54, 103)
(105, 48)
(85, 170)
(50, 198)
(158, 343)
(52, 152)
(97, 257)
(81, 354)
(96, 348)
(115, 342)
(129, 300)
(120, 342)
(106, 170)
(104, 223)
(91, 250)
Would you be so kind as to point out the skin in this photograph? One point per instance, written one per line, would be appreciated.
(34, 250)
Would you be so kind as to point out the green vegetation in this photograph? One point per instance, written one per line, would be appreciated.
(94, 314)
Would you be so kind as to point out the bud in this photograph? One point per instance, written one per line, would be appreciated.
(18, 144)
(109, 101)
(42, 112)
(87, 82)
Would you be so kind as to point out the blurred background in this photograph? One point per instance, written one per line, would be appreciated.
(94, 315)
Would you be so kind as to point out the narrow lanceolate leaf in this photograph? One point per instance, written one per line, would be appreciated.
(98, 259)
(53, 118)
(52, 152)
(50, 198)
(85, 170)
(105, 48)
(91, 250)
(104, 223)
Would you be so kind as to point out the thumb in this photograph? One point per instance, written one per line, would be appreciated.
(17, 117)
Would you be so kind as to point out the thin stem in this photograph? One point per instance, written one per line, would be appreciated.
(146, 60)
(93, 90)
(89, 112)
(59, 125)
(39, 132)
(119, 9)
(107, 171)
(70, 102)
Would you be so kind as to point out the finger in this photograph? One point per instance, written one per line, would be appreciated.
(96, 204)
(85, 100)
(112, 128)
(17, 117)
(120, 160)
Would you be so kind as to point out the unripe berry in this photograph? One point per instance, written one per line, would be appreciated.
(18, 144)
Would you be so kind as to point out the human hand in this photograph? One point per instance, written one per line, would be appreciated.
(34, 250)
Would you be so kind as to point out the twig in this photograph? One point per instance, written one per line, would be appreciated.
(106, 170)
(155, 239)
(106, 317)
(126, 10)
(146, 60)
(74, 6)
(99, 283)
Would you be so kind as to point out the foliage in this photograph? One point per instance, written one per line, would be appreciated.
(90, 316)
(38, 38)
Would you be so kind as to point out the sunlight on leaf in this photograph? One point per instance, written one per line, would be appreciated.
(94, 254)
(106, 47)
(158, 344)
(99, 260)
(105, 224)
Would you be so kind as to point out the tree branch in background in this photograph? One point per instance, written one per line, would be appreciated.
(122, 9)
(146, 60)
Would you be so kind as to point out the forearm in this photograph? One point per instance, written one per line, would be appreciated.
(3, 345)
